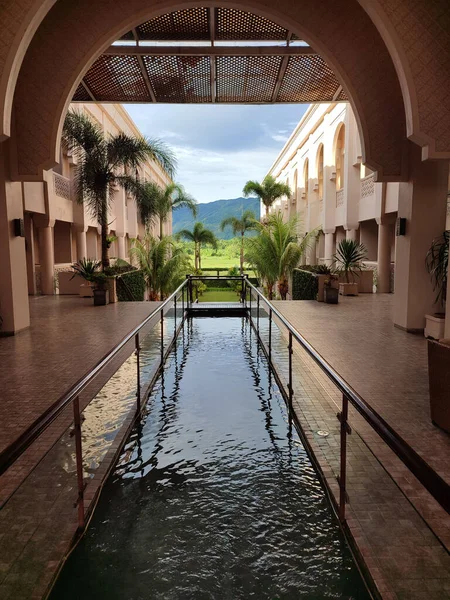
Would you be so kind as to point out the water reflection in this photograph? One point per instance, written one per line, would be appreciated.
(214, 496)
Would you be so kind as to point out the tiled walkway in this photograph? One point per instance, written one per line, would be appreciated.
(406, 554)
(67, 337)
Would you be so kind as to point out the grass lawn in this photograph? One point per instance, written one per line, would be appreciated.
(219, 296)
(218, 262)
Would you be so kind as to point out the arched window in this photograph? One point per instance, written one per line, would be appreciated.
(320, 172)
(306, 179)
(339, 158)
(294, 186)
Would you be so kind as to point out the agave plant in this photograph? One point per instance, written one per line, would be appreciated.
(87, 268)
(436, 263)
(348, 258)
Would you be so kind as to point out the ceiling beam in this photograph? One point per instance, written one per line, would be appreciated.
(281, 72)
(209, 50)
(88, 90)
(212, 59)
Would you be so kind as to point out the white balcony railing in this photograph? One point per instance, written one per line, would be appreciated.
(340, 197)
(367, 186)
(62, 186)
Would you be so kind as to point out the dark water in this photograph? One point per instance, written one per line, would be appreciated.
(214, 496)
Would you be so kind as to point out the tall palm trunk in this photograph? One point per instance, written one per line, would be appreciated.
(196, 256)
(199, 257)
(283, 287)
(242, 253)
(104, 232)
(161, 224)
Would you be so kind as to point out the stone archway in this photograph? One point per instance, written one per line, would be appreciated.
(72, 36)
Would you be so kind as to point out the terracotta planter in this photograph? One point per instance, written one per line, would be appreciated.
(101, 297)
(439, 381)
(348, 289)
(330, 295)
(434, 326)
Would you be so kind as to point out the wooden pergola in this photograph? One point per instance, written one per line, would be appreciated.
(206, 55)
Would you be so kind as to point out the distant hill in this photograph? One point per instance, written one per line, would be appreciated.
(211, 214)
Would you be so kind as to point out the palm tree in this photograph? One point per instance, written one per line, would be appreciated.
(275, 252)
(268, 191)
(160, 202)
(104, 161)
(163, 263)
(245, 223)
(200, 236)
(348, 258)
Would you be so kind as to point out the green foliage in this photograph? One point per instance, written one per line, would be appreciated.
(268, 191)
(437, 266)
(86, 268)
(200, 237)
(211, 214)
(317, 269)
(163, 263)
(304, 285)
(348, 258)
(131, 286)
(160, 202)
(274, 253)
(120, 266)
(103, 162)
(198, 287)
(234, 284)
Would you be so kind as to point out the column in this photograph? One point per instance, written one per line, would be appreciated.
(422, 201)
(329, 247)
(447, 310)
(81, 244)
(384, 258)
(121, 246)
(311, 253)
(14, 307)
(29, 247)
(351, 234)
(47, 259)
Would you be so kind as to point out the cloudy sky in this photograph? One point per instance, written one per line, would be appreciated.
(219, 147)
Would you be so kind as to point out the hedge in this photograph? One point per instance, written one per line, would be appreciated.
(131, 287)
(304, 285)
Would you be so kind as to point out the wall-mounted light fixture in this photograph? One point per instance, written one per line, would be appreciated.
(19, 227)
(401, 226)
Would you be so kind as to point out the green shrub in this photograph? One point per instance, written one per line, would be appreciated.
(304, 285)
(131, 286)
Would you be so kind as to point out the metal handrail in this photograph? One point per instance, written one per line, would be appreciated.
(18, 447)
(433, 482)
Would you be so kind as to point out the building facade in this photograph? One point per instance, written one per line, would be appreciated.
(60, 231)
(334, 191)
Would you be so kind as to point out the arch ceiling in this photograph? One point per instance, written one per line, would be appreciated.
(206, 55)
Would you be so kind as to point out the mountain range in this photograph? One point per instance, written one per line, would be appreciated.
(211, 214)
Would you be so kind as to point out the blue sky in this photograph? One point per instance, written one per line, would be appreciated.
(219, 147)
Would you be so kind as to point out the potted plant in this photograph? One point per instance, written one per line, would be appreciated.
(436, 262)
(89, 270)
(101, 291)
(348, 258)
(330, 291)
(86, 268)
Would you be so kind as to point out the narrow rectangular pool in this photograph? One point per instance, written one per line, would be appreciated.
(214, 496)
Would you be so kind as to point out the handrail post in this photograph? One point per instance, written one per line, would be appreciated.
(79, 461)
(257, 314)
(138, 366)
(270, 335)
(182, 304)
(162, 337)
(342, 479)
(290, 372)
(175, 316)
(191, 296)
(250, 305)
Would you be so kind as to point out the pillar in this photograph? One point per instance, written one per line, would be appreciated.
(384, 258)
(14, 307)
(329, 247)
(47, 259)
(351, 234)
(447, 310)
(422, 201)
(29, 248)
(81, 244)
(312, 257)
(121, 252)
